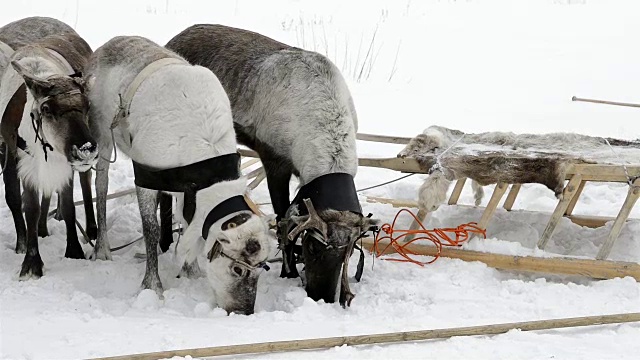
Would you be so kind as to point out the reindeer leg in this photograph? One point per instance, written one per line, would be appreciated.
(278, 177)
(74, 250)
(13, 198)
(32, 263)
(102, 250)
(166, 233)
(148, 204)
(43, 230)
(58, 214)
(87, 198)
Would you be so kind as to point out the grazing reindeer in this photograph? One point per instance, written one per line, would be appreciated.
(293, 107)
(174, 121)
(14, 36)
(52, 137)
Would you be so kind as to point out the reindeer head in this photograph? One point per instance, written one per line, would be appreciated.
(236, 247)
(327, 245)
(59, 117)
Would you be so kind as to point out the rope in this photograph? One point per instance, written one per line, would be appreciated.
(626, 171)
(438, 165)
(439, 237)
(385, 183)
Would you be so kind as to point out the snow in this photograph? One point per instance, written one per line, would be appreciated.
(470, 65)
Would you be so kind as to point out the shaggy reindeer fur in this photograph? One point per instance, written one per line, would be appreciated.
(493, 157)
(290, 105)
(25, 31)
(179, 115)
(63, 124)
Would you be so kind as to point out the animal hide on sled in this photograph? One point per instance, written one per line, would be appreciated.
(492, 157)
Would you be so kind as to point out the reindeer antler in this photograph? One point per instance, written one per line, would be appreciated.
(345, 290)
(313, 221)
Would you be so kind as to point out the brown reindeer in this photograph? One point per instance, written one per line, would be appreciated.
(52, 138)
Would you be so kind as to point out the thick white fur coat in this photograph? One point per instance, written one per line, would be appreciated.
(55, 172)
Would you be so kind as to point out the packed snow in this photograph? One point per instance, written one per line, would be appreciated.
(470, 65)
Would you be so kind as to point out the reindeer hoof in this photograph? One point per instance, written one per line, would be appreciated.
(21, 247)
(152, 282)
(101, 252)
(289, 275)
(74, 251)
(43, 231)
(31, 267)
(92, 232)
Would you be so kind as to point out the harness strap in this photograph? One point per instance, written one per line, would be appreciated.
(231, 205)
(189, 178)
(335, 191)
(120, 119)
(6, 49)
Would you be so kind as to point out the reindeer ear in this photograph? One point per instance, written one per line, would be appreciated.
(36, 85)
(78, 79)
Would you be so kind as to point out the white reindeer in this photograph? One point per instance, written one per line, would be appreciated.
(177, 121)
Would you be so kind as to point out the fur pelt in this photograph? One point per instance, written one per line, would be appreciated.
(492, 157)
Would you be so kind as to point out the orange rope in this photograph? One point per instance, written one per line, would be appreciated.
(439, 238)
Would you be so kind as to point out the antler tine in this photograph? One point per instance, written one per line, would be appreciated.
(345, 290)
(313, 222)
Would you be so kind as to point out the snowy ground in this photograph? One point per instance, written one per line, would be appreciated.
(471, 65)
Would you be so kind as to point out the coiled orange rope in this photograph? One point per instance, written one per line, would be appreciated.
(439, 237)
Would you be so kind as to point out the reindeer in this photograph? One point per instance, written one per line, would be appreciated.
(49, 108)
(294, 108)
(174, 121)
(14, 36)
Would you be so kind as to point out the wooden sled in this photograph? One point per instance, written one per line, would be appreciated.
(577, 176)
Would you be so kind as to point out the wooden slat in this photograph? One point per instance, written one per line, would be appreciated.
(623, 215)
(582, 220)
(576, 197)
(248, 163)
(383, 138)
(457, 190)
(261, 176)
(567, 194)
(511, 197)
(597, 269)
(255, 172)
(248, 153)
(498, 192)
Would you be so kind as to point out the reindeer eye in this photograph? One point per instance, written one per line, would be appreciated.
(238, 270)
(45, 109)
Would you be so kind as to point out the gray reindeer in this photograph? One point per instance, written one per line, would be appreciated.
(294, 108)
(51, 136)
(174, 121)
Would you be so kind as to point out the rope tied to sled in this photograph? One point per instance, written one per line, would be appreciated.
(438, 236)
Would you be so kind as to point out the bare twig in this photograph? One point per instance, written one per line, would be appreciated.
(605, 102)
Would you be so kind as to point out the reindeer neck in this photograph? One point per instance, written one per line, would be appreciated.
(208, 198)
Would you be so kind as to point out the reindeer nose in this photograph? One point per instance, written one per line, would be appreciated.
(88, 151)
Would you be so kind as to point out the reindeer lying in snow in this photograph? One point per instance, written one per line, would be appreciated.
(52, 138)
(12, 37)
(293, 107)
(174, 121)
